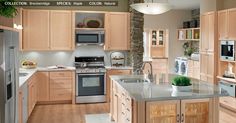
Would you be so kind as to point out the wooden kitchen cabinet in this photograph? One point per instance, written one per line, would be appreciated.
(193, 69)
(36, 35)
(32, 93)
(195, 111)
(226, 24)
(47, 30)
(121, 105)
(178, 111)
(61, 30)
(208, 32)
(207, 67)
(117, 28)
(61, 86)
(163, 112)
(43, 86)
(208, 47)
(23, 104)
(108, 80)
(20, 106)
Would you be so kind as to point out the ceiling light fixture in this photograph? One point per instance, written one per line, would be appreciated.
(152, 8)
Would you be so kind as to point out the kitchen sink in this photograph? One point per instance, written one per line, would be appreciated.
(134, 80)
(23, 74)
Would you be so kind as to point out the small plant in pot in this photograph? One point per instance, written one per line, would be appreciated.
(181, 83)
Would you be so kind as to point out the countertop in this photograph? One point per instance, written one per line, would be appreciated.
(119, 68)
(30, 72)
(163, 90)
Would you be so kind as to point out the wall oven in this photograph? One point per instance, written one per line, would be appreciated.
(90, 37)
(90, 87)
(227, 50)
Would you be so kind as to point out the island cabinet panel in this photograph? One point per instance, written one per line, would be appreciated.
(117, 27)
(61, 30)
(195, 111)
(108, 80)
(43, 86)
(179, 111)
(163, 112)
(36, 30)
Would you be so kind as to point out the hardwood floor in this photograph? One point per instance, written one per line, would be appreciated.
(65, 113)
(68, 113)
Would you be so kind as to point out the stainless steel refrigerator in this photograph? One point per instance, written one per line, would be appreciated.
(8, 75)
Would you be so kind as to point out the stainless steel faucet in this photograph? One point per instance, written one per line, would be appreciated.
(150, 72)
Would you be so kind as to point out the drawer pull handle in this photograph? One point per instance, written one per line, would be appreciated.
(123, 104)
(128, 119)
(128, 109)
(177, 118)
(182, 117)
(122, 113)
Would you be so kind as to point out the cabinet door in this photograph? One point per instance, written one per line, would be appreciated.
(30, 98)
(20, 106)
(232, 24)
(203, 67)
(43, 86)
(60, 30)
(25, 103)
(211, 31)
(210, 67)
(222, 24)
(115, 107)
(117, 31)
(204, 32)
(36, 30)
(163, 112)
(195, 111)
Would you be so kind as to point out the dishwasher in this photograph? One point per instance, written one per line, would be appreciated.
(229, 87)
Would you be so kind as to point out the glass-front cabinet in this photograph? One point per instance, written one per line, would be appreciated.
(157, 38)
(178, 111)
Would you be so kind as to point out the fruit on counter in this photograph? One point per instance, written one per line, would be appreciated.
(28, 64)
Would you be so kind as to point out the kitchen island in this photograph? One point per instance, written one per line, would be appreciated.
(135, 101)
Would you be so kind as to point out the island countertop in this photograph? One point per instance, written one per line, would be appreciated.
(144, 91)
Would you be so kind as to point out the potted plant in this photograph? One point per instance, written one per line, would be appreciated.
(8, 11)
(181, 83)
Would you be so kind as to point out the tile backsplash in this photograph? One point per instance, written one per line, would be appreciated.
(49, 58)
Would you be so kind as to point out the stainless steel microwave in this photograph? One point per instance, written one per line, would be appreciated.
(90, 37)
(227, 50)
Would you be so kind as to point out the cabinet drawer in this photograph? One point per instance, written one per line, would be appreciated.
(62, 83)
(60, 94)
(120, 72)
(60, 74)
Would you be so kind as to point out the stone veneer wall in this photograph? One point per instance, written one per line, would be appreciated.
(137, 23)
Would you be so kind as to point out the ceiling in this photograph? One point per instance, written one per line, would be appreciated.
(183, 4)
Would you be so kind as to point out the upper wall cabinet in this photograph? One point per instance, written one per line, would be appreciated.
(60, 30)
(47, 30)
(208, 30)
(226, 24)
(117, 27)
(36, 30)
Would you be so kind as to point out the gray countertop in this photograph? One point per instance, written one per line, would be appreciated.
(163, 90)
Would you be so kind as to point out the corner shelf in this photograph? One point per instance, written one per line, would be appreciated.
(189, 34)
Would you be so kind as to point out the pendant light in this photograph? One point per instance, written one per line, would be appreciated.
(152, 8)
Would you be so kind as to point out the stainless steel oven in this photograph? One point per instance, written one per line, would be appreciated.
(90, 87)
(227, 50)
(229, 87)
(90, 79)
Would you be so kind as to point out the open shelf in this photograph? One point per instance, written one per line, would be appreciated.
(189, 34)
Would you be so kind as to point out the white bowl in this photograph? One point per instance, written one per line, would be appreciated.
(182, 88)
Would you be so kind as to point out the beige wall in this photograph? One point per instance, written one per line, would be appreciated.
(229, 4)
(122, 6)
(171, 20)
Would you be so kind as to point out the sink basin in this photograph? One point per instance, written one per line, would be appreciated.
(133, 80)
(23, 74)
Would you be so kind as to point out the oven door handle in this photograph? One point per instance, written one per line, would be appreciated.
(89, 74)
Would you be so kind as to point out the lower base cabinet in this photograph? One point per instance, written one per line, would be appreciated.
(23, 104)
(178, 111)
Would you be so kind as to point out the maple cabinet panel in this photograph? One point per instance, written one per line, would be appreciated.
(117, 26)
(223, 24)
(43, 86)
(36, 30)
(61, 30)
(232, 24)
